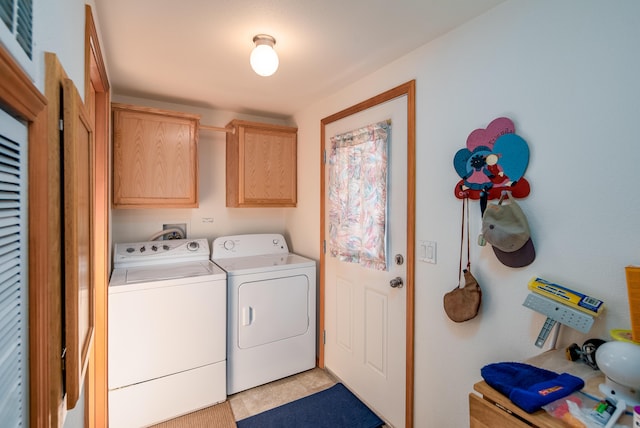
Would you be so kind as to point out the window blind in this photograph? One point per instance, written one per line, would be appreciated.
(13, 273)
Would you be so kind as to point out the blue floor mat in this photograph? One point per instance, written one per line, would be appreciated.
(335, 407)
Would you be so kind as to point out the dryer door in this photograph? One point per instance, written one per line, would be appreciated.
(272, 309)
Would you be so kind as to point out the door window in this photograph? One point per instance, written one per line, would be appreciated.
(358, 196)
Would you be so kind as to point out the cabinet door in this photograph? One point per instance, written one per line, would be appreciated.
(261, 165)
(155, 158)
(79, 296)
(268, 170)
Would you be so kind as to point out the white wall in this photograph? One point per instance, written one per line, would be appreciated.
(131, 225)
(59, 28)
(567, 74)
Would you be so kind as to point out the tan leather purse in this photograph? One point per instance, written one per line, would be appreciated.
(463, 302)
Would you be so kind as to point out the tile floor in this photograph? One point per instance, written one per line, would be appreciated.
(257, 400)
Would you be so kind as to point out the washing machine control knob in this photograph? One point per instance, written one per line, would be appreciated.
(193, 245)
(229, 244)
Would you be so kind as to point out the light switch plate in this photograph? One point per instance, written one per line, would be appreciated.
(427, 251)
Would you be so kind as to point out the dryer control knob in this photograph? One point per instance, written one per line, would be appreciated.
(229, 244)
(193, 246)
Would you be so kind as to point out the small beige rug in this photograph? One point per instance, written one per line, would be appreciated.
(218, 416)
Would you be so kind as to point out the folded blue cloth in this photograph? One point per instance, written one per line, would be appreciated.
(527, 386)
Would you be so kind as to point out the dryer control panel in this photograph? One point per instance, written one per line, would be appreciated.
(248, 245)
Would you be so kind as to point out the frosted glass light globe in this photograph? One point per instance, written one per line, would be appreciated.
(620, 362)
(264, 60)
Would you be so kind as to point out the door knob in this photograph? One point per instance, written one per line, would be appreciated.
(396, 282)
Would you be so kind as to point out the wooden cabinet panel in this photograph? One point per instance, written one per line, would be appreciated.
(155, 158)
(483, 414)
(261, 165)
(78, 172)
(538, 419)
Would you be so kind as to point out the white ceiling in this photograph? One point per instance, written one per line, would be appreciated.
(196, 52)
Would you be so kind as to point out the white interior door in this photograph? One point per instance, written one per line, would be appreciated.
(364, 317)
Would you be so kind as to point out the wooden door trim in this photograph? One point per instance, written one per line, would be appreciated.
(407, 89)
(21, 98)
(78, 225)
(94, 69)
(95, 78)
(54, 77)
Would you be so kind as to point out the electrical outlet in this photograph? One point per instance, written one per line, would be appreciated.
(182, 234)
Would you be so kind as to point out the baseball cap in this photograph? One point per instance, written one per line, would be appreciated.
(505, 227)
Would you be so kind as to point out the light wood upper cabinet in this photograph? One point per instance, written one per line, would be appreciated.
(261, 165)
(155, 158)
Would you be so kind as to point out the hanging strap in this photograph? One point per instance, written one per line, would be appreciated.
(465, 202)
(461, 241)
(505, 194)
(468, 241)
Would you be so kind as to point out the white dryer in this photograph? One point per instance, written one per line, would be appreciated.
(166, 331)
(271, 308)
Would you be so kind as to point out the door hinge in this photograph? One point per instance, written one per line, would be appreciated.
(324, 337)
(324, 157)
(324, 247)
(63, 359)
(61, 124)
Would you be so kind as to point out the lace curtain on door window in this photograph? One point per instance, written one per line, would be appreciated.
(358, 195)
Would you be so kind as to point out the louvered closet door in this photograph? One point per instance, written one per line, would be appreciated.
(16, 31)
(13, 273)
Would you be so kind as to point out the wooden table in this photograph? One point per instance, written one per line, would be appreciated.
(491, 409)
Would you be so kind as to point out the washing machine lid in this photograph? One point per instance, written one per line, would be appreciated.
(263, 263)
(185, 271)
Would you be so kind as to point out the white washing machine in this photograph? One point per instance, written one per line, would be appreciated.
(166, 332)
(271, 308)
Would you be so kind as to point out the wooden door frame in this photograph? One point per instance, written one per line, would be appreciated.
(407, 89)
(21, 98)
(97, 100)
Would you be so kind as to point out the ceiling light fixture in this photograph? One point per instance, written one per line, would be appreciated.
(264, 59)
